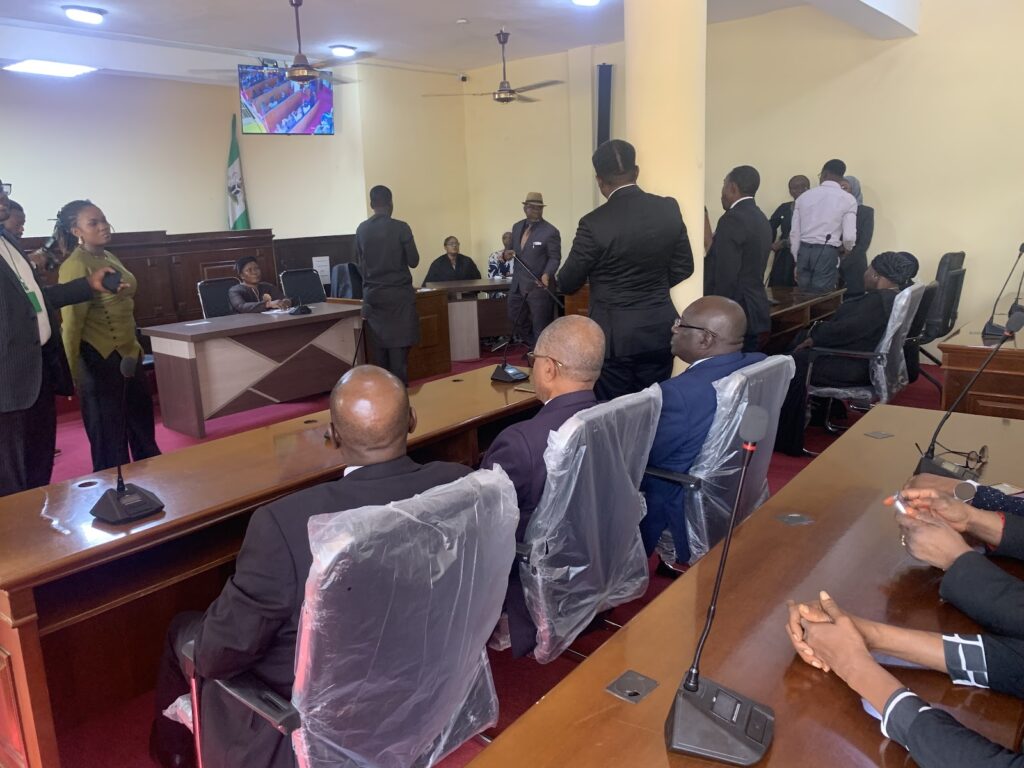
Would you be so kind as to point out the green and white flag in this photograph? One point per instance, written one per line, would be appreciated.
(238, 214)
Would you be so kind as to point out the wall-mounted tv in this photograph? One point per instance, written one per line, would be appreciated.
(271, 103)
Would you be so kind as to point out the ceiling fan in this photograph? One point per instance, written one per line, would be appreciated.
(505, 94)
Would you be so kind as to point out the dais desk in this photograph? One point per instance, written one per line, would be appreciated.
(466, 314)
(999, 391)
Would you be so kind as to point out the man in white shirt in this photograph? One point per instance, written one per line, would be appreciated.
(823, 219)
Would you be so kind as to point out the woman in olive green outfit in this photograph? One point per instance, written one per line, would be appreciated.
(97, 335)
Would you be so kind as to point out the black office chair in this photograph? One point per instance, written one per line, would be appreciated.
(346, 281)
(302, 286)
(942, 318)
(915, 336)
(213, 296)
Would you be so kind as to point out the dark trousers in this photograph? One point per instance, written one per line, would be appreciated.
(107, 400)
(393, 359)
(27, 442)
(631, 373)
(537, 315)
(167, 736)
(817, 268)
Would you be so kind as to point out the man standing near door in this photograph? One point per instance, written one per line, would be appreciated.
(538, 245)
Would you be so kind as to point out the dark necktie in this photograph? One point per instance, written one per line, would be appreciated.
(526, 236)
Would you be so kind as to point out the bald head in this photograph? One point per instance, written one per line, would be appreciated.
(371, 416)
(710, 326)
(577, 342)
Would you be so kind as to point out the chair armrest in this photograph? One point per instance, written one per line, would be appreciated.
(265, 702)
(673, 477)
(522, 552)
(830, 352)
(188, 654)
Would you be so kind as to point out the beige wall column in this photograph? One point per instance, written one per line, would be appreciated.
(666, 43)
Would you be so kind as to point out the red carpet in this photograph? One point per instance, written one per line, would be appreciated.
(119, 738)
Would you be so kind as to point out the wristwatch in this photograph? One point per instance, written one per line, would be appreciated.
(965, 491)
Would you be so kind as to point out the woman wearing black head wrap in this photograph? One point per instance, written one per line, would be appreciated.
(253, 295)
(858, 325)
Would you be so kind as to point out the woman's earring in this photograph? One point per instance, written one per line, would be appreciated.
(80, 240)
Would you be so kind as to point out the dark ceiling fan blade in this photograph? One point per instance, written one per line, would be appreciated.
(542, 84)
(527, 99)
(431, 95)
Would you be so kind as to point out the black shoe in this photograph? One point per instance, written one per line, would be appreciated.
(671, 571)
(168, 758)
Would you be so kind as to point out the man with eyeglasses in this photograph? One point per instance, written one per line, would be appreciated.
(566, 363)
(35, 367)
(709, 337)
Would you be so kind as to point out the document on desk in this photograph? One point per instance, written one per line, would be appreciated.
(525, 388)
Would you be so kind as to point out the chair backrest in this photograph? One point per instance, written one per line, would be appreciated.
(889, 370)
(346, 281)
(391, 666)
(213, 296)
(585, 552)
(915, 334)
(942, 316)
(709, 507)
(302, 286)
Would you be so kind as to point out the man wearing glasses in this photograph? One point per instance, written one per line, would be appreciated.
(708, 336)
(566, 363)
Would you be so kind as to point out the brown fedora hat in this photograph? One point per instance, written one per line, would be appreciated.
(534, 198)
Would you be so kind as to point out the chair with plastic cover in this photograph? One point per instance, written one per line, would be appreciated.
(303, 286)
(391, 668)
(916, 336)
(887, 364)
(711, 485)
(581, 552)
(346, 281)
(213, 296)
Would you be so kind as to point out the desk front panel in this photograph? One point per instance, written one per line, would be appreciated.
(999, 391)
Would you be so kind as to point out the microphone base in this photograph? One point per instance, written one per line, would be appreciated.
(134, 503)
(1015, 308)
(508, 374)
(719, 724)
(945, 469)
(993, 329)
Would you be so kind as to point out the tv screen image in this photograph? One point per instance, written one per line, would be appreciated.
(271, 103)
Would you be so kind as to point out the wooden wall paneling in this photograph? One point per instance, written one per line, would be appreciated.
(298, 252)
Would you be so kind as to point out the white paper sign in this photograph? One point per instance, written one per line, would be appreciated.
(322, 264)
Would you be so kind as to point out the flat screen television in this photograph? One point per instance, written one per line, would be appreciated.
(271, 103)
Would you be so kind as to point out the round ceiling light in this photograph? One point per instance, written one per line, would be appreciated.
(344, 51)
(83, 14)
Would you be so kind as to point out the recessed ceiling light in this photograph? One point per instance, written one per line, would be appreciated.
(83, 14)
(586, 2)
(462, 21)
(343, 50)
(52, 68)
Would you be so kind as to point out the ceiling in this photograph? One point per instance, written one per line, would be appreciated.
(419, 32)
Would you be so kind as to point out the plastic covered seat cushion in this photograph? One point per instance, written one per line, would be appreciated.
(586, 555)
(391, 667)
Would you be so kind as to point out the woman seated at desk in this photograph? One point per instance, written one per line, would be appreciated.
(252, 295)
(451, 265)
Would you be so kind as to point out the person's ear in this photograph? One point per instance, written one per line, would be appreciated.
(334, 435)
(412, 419)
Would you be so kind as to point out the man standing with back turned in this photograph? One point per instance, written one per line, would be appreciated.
(385, 252)
(633, 249)
(823, 219)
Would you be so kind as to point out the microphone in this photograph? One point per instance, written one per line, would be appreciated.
(928, 462)
(126, 502)
(707, 719)
(1017, 306)
(530, 272)
(993, 328)
(504, 372)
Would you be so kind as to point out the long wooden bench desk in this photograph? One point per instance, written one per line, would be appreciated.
(850, 546)
(84, 605)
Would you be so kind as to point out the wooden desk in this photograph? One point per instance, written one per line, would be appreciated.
(464, 313)
(223, 365)
(852, 549)
(84, 605)
(999, 391)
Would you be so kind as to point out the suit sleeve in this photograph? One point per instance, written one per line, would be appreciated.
(936, 740)
(986, 593)
(412, 256)
(671, 432)
(681, 265)
(865, 231)
(73, 315)
(240, 305)
(995, 501)
(475, 271)
(794, 229)
(725, 266)
(554, 249)
(64, 294)
(776, 222)
(510, 451)
(848, 322)
(242, 622)
(581, 259)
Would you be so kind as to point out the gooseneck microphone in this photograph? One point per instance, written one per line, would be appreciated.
(928, 462)
(1017, 306)
(125, 502)
(992, 328)
(504, 372)
(707, 719)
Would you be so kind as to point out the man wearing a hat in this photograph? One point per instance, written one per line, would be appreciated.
(538, 245)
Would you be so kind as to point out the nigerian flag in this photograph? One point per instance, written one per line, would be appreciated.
(238, 214)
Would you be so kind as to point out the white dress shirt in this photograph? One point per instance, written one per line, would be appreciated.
(825, 211)
(23, 271)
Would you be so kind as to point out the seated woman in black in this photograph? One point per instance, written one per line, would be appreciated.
(858, 325)
(451, 265)
(251, 295)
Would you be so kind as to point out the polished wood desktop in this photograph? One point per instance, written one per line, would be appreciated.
(84, 605)
(222, 365)
(999, 391)
(849, 545)
(793, 310)
(465, 313)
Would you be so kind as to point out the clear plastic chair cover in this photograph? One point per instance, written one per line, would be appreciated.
(391, 668)
(586, 555)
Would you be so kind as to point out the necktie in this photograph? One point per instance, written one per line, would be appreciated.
(525, 237)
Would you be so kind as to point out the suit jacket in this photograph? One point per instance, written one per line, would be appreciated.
(542, 253)
(632, 249)
(783, 264)
(25, 361)
(385, 252)
(241, 297)
(252, 625)
(441, 269)
(855, 263)
(734, 267)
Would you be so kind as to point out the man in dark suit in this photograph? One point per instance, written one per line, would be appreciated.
(538, 245)
(566, 363)
(734, 267)
(35, 368)
(632, 249)
(252, 625)
(708, 336)
(385, 252)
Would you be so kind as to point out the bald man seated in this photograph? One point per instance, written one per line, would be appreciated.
(252, 625)
(567, 361)
(709, 337)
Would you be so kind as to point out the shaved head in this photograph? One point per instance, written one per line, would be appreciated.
(710, 326)
(577, 342)
(371, 416)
